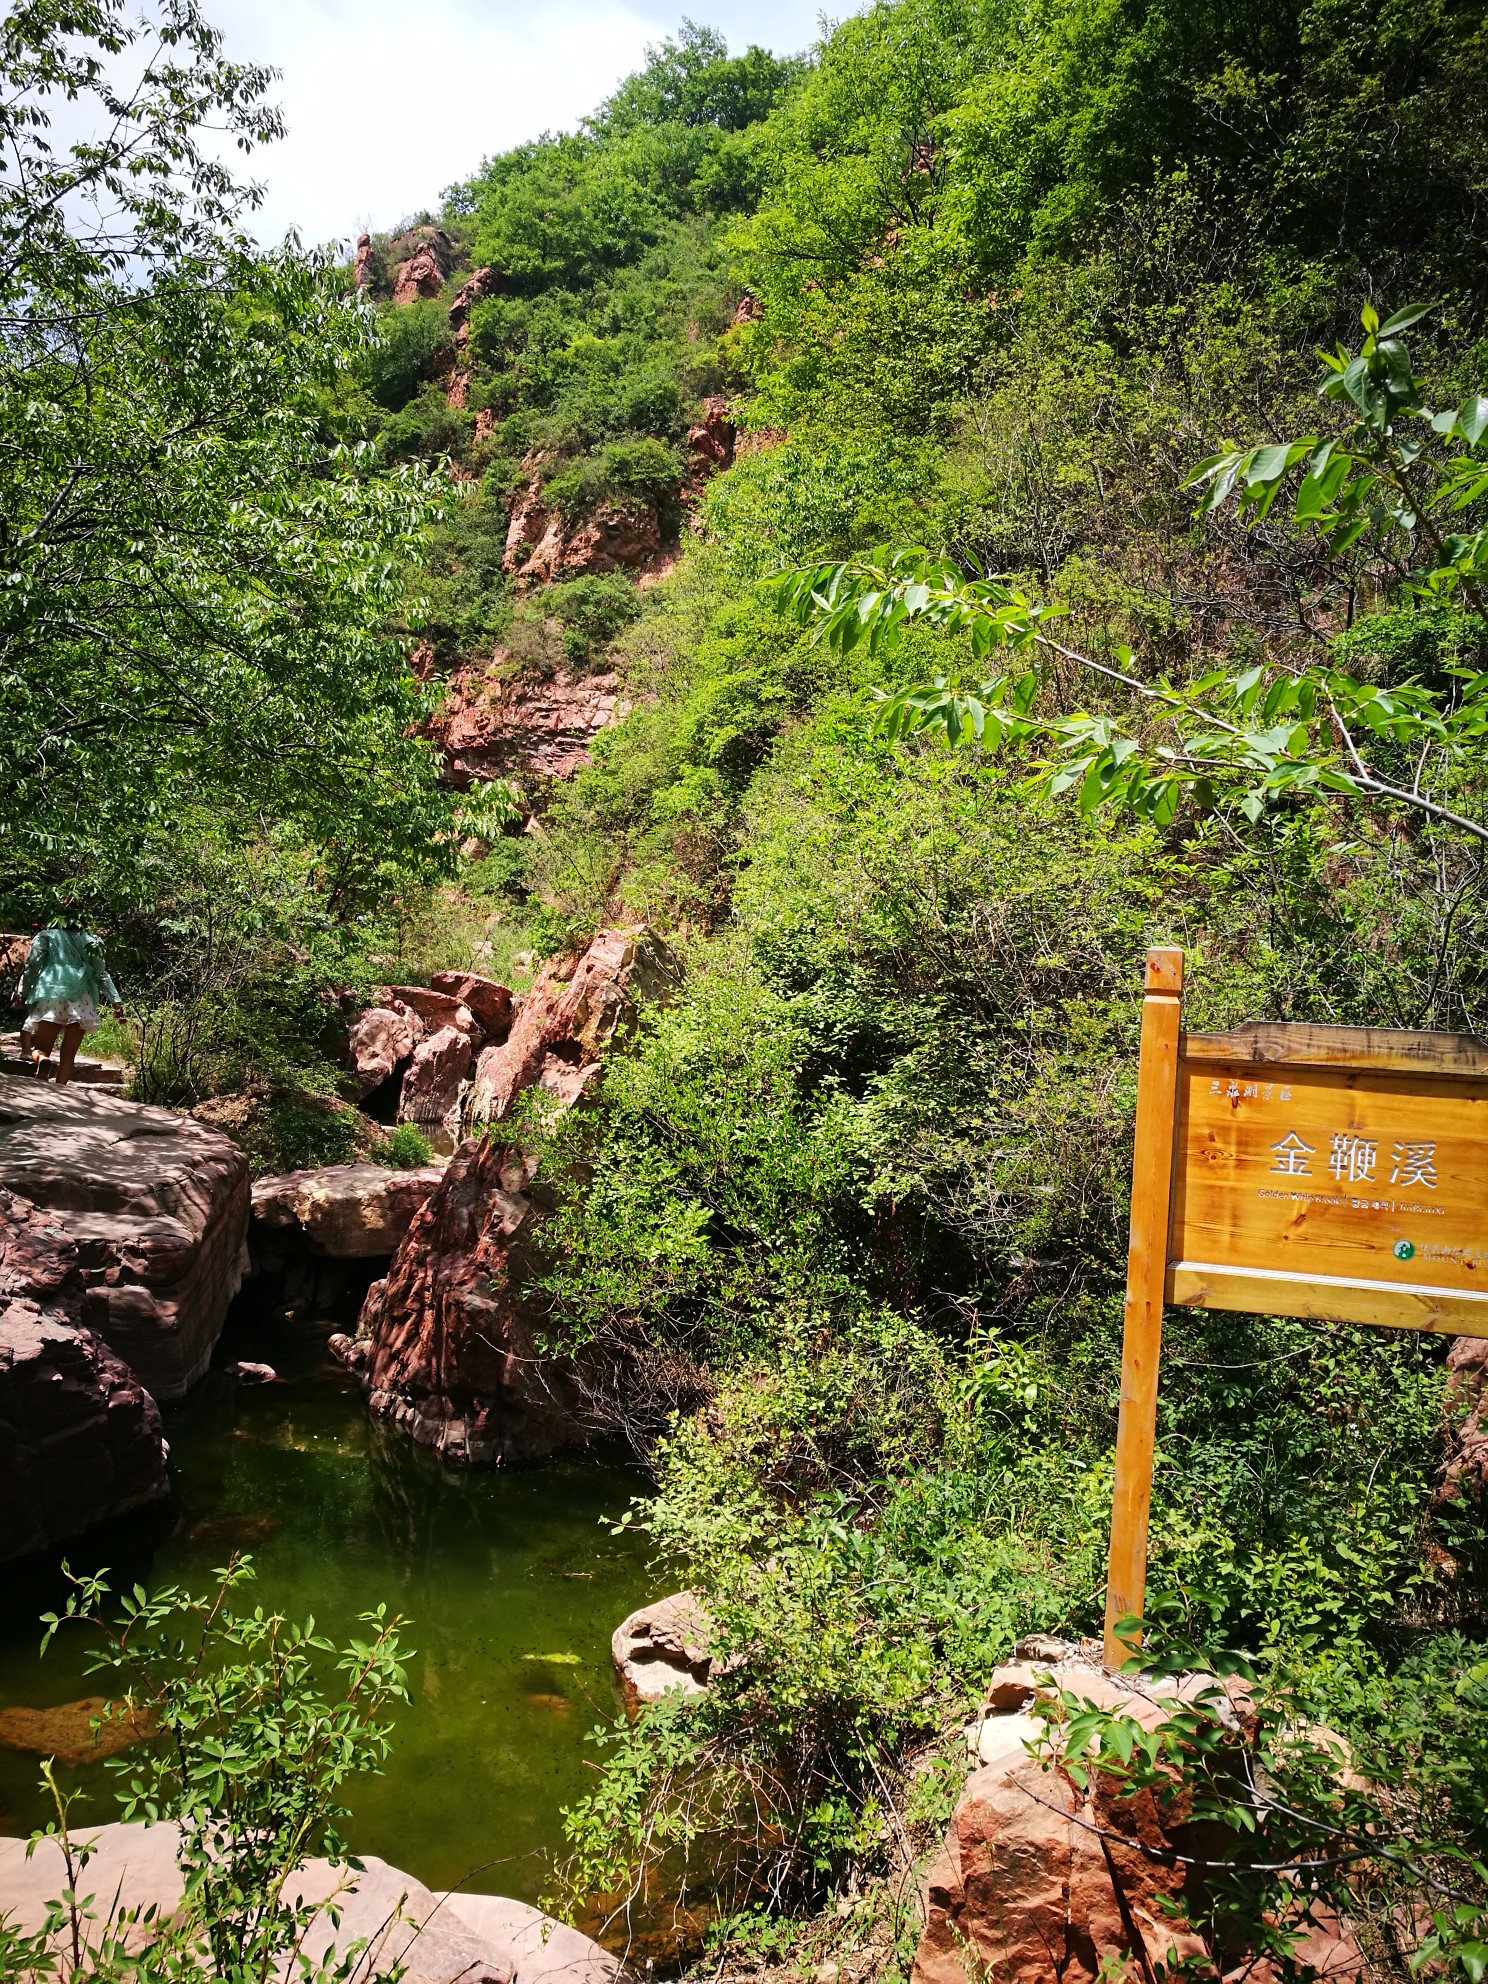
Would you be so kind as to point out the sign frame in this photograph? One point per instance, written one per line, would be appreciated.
(1165, 1172)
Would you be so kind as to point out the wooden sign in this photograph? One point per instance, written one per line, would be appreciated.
(1328, 1171)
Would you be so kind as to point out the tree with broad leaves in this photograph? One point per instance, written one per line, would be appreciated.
(1403, 480)
(202, 590)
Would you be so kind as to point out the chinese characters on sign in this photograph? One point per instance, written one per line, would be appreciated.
(1351, 1186)
(1354, 1157)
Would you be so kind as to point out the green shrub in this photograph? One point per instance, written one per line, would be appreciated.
(404, 1149)
(262, 1725)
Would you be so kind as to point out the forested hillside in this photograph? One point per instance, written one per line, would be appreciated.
(850, 1217)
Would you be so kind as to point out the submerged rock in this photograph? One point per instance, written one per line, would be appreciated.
(663, 1649)
(156, 1205)
(68, 1731)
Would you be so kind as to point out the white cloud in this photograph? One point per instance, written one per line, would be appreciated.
(388, 102)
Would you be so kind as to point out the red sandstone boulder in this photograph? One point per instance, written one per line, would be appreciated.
(435, 1009)
(1043, 1882)
(491, 1003)
(570, 1017)
(364, 268)
(431, 1088)
(1467, 1395)
(156, 1205)
(80, 1438)
(382, 1039)
(447, 1346)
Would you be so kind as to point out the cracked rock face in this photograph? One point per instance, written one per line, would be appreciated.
(156, 1206)
(447, 1345)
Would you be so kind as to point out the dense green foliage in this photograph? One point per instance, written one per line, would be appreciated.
(857, 1202)
(850, 1216)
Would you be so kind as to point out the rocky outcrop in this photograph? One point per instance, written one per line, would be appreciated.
(1042, 1882)
(364, 266)
(478, 285)
(447, 1345)
(545, 544)
(573, 1014)
(490, 727)
(430, 1938)
(156, 1205)
(710, 443)
(663, 1649)
(418, 1044)
(422, 258)
(347, 1212)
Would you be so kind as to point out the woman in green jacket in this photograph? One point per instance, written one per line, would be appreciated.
(64, 980)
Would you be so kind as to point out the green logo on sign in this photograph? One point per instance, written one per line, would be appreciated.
(1403, 1250)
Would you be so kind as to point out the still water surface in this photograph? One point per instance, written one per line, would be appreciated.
(512, 1583)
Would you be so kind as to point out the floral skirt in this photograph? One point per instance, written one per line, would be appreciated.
(64, 1012)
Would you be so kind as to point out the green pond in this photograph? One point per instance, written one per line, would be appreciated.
(512, 1583)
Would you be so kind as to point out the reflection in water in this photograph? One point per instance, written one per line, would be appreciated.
(512, 1583)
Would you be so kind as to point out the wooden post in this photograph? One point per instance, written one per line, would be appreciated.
(1146, 1269)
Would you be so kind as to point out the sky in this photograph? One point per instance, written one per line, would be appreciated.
(390, 101)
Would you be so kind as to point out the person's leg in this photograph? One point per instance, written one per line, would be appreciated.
(43, 1037)
(71, 1040)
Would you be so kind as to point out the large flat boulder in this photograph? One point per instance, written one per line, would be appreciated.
(348, 1212)
(157, 1207)
(437, 1938)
